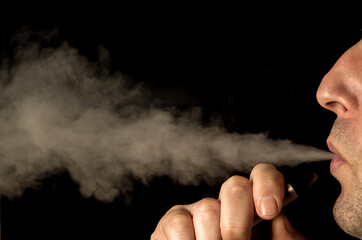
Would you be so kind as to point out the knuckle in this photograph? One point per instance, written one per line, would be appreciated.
(236, 185)
(274, 181)
(178, 221)
(154, 236)
(264, 167)
(234, 232)
(175, 208)
(208, 207)
(267, 173)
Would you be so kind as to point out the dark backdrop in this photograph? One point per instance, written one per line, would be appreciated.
(259, 74)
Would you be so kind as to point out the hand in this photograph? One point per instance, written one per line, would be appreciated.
(231, 216)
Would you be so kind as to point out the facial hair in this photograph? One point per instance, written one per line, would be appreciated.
(347, 210)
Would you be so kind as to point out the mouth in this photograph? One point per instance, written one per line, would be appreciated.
(337, 161)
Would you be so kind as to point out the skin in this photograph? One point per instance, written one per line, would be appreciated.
(231, 215)
(341, 92)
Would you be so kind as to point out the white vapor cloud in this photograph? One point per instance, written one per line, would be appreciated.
(58, 111)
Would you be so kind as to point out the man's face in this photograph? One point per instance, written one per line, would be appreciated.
(341, 92)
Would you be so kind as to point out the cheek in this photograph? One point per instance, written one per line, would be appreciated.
(351, 179)
(359, 173)
(358, 121)
(357, 151)
(357, 159)
(347, 180)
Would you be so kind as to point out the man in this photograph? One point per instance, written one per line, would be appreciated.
(231, 215)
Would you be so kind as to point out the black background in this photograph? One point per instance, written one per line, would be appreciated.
(259, 72)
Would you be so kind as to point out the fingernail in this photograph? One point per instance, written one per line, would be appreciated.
(268, 206)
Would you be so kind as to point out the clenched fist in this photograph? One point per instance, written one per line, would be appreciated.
(231, 216)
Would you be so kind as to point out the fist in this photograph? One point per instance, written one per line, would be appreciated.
(231, 215)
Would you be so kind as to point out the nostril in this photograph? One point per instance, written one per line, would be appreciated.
(336, 107)
(331, 104)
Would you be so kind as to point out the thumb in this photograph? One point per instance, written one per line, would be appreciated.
(282, 229)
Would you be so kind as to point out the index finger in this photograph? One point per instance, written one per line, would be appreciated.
(268, 190)
(237, 208)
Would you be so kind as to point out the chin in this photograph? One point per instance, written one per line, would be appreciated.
(348, 214)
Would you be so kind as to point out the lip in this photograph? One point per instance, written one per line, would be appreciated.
(336, 162)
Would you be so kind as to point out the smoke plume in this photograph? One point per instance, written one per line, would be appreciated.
(59, 111)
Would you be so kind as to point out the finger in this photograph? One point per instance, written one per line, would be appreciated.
(282, 229)
(176, 224)
(268, 190)
(237, 208)
(206, 219)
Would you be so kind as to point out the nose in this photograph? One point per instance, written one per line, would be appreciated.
(336, 93)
